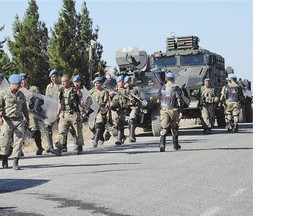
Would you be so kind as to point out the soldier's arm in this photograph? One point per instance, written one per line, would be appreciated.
(25, 113)
(59, 108)
(47, 90)
(1, 109)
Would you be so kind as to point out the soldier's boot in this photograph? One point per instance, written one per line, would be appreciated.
(38, 141)
(16, 164)
(120, 136)
(57, 151)
(79, 150)
(48, 131)
(176, 145)
(162, 143)
(5, 161)
(229, 126)
(235, 128)
(132, 128)
(107, 136)
(96, 137)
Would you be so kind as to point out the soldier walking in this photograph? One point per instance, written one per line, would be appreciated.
(118, 109)
(207, 100)
(69, 115)
(34, 127)
(52, 90)
(133, 105)
(101, 96)
(170, 113)
(232, 97)
(13, 126)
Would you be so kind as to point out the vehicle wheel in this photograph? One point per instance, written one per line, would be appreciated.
(155, 121)
(220, 116)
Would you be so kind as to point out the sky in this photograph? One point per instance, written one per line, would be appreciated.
(224, 27)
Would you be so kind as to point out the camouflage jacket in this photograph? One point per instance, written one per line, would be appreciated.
(52, 90)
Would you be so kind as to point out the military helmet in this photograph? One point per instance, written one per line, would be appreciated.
(53, 72)
(77, 78)
(15, 79)
(120, 78)
(97, 79)
(127, 79)
(170, 75)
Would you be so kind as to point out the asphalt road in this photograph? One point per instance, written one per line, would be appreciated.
(211, 175)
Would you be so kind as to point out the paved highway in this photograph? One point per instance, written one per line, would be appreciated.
(211, 175)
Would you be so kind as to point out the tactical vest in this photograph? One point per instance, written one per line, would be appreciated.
(233, 93)
(72, 102)
(207, 95)
(168, 97)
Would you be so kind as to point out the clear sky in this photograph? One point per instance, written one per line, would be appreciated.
(224, 27)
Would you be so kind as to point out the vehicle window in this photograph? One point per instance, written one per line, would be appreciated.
(165, 61)
(192, 60)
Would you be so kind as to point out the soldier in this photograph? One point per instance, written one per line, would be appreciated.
(34, 122)
(232, 96)
(206, 100)
(170, 113)
(12, 108)
(69, 115)
(133, 105)
(52, 90)
(118, 109)
(98, 125)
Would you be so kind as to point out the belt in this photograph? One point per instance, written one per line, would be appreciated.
(13, 118)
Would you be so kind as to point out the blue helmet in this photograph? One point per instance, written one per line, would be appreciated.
(120, 78)
(77, 78)
(1, 75)
(207, 79)
(53, 72)
(23, 75)
(15, 79)
(97, 79)
(170, 75)
(127, 79)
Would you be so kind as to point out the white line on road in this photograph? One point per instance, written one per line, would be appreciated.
(211, 211)
(238, 192)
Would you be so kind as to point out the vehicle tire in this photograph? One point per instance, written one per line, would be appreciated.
(155, 121)
(248, 110)
(220, 116)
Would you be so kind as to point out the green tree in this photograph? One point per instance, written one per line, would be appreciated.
(63, 48)
(30, 46)
(4, 59)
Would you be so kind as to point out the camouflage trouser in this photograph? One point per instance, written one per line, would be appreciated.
(169, 117)
(69, 120)
(99, 120)
(133, 114)
(208, 115)
(118, 117)
(12, 135)
(232, 112)
(33, 123)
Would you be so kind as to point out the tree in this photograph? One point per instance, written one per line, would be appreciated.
(30, 46)
(4, 59)
(63, 48)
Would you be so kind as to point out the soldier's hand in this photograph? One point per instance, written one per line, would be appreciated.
(180, 115)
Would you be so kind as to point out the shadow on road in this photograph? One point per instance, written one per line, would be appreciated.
(11, 185)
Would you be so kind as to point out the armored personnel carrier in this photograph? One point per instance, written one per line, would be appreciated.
(191, 64)
(137, 64)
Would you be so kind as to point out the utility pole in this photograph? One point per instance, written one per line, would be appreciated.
(93, 45)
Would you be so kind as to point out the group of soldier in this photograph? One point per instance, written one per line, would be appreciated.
(114, 106)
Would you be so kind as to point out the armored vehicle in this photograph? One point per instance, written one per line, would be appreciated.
(136, 63)
(191, 64)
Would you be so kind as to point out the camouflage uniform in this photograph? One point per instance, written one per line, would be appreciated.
(134, 111)
(171, 102)
(232, 94)
(206, 98)
(12, 130)
(98, 125)
(51, 91)
(70, 116)
(118, 111)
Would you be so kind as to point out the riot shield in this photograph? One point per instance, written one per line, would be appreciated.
(91, 106)
(4, 84)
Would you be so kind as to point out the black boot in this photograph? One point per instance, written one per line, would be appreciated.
(57, 151)
(96, 137)
(79, 150)
(176, 145)
(132, 133)
(5, 161)
(38, 141)
(162, 143)
(48, 132)
(120, 136)
(15, 164)
(235, 128)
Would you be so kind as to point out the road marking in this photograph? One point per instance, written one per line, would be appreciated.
(211, 211)
(238, 192)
